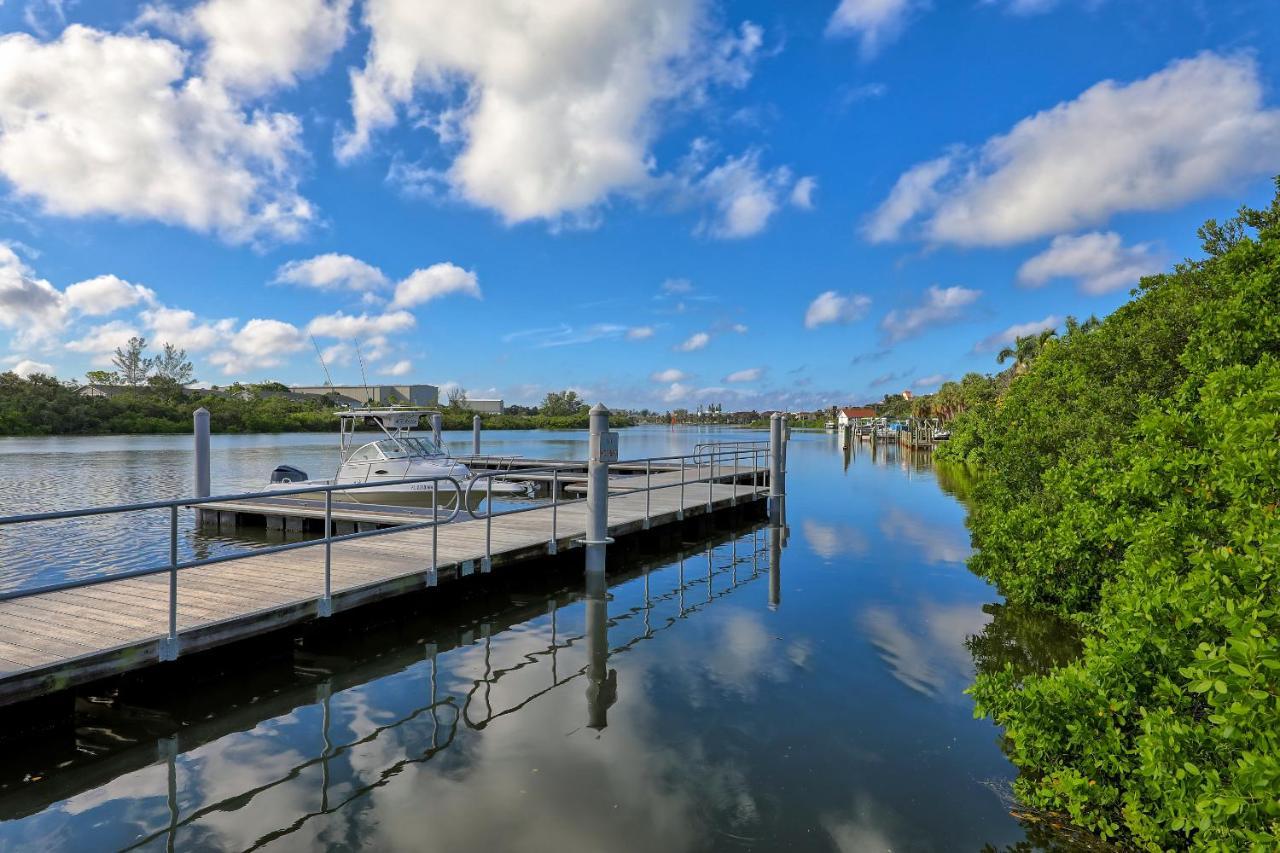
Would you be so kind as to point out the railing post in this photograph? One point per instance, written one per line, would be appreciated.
(552, 547)
(603, 451)
(734, 500)
(325, 608)
(648, 471)
(680, 509)
(169, 645)
(487, 563)
(432, 577)
(711, 480)
(475, 435)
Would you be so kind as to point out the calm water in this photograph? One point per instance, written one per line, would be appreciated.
(801, 690)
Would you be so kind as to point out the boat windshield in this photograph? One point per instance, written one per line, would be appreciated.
(408, 446)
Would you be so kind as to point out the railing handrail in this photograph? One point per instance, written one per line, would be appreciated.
(197, 501)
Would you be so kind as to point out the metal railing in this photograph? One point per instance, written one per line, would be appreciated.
(704, 455)
(708, 454)
(169, 645)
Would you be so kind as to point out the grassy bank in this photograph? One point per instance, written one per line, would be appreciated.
(41, 405)
(1130, 483)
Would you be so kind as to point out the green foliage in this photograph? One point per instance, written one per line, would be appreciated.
(562, 403)
(1130, 481)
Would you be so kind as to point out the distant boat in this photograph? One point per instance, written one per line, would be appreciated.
(829, 425)
(399, 455)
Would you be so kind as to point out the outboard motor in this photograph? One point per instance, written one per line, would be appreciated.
(288, 474)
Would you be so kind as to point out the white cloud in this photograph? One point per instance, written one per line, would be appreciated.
(31, 306)
(106, 294)
(184, 330)
(676, 392)
(558, 104)
(258, 45)
(258, 344)
(833, 307)
(1100, 261)
(696, 341)
(403, 367)
(640, 333)
(332, 271)
(433, 282)
(874, 22)
(676, 286)
(751, 374)
(739, 328)
(82, 138)
(1017, 330)
(930, 381)
(802, 193)
(340, 325)
(1196, 127)
(102, 341)
(669, 375)
(27, 367)
(941, 305)
(743, 196)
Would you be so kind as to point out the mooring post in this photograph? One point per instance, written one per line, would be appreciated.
(603, 450)
(775, 467)
(200, 432)
(475, 435)
(437, 428)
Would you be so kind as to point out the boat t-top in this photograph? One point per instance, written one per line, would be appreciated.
(397, 455)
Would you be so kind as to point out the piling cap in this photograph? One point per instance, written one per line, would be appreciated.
(199, 410)
(599, 409)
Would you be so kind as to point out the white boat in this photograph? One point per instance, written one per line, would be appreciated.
(397, 455)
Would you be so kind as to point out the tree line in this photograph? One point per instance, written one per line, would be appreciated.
(1129, 481)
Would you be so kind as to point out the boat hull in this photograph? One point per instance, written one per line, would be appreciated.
(444, 495)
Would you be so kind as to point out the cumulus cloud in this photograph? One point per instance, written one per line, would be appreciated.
(671, 374)
(258, 344)
(332, 271)
(1010, 335)
(640, 333)
(340, 325)
(1099, 261)
(31, 306)
(26, 367)
(258, 45)
(751, 374)
(550, 111)
(103, 340)
(696, 341)
(106, 294)
(183, 329)
(742, 195)
(802, 193)
(941, 305)
(833, 307)
(1196, 127)
(403, 367)
(435, 281)
(81, 138)
(875, 23)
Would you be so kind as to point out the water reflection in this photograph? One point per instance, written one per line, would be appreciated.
(699, 698)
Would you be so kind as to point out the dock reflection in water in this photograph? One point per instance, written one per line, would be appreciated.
(703, 698)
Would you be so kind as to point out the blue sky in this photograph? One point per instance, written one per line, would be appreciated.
(659, 203)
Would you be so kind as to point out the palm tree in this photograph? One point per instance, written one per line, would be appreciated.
(1025, 349)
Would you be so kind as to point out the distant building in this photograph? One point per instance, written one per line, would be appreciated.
(383, 395)
(855, 415)
(907, 395)
(96, 390)
(483, 407)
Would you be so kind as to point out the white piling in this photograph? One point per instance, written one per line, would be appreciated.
(603, 450)
(475, 435)
(437, 428)
(775, 466)
(200, 422)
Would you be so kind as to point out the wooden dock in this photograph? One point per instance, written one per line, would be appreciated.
(56, 640)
